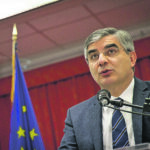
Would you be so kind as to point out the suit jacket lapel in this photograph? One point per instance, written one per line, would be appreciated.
(140, 93)
(96, 124)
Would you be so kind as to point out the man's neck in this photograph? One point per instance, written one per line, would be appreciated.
(117, 90)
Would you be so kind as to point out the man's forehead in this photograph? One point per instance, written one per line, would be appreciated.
(106, 41)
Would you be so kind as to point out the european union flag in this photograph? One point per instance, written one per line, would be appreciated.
(24, 134)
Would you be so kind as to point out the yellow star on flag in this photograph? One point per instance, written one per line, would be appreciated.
(33, 134)
(21, 132)
(22, 148)
(24, 109)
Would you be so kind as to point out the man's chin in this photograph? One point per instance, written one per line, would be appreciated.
(106, 82)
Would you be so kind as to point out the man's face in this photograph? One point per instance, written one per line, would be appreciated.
(109, 64)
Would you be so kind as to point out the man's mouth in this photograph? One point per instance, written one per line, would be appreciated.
(105, 72)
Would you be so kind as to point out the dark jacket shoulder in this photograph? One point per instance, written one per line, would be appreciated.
(85, 104)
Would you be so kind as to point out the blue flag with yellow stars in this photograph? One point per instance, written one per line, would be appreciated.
(24, 134)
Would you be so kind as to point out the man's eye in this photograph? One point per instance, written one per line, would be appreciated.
(94, 56)
(111, 52)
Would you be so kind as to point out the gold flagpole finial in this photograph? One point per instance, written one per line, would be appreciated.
(14, 33)
(14, 40)
(14, 30)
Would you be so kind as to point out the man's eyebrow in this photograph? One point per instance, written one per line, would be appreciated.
(91, 51)
(107, 46)
(110, 45)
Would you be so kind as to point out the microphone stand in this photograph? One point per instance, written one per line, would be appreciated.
(120, 103)
(132, 112)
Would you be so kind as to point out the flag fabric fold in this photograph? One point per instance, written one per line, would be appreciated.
(24, 130)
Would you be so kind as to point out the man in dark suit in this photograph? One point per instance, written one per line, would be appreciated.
(111, 58)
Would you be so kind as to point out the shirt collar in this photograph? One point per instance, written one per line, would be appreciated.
(127, 94)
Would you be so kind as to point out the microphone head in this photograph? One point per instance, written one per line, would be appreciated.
(103, 96)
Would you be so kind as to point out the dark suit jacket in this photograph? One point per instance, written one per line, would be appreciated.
(83, 125)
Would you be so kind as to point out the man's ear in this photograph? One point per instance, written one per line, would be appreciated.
(133, 58)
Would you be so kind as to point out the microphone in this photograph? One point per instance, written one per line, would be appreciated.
(103, 97)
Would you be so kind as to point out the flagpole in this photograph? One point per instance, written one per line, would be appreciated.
(14, 40)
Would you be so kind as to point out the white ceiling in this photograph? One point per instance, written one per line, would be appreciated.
(56, 32)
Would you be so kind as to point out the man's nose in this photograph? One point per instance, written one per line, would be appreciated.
(102, 59)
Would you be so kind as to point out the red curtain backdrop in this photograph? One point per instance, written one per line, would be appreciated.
(55, 88)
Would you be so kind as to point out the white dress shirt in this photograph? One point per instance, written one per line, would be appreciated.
(127, 95)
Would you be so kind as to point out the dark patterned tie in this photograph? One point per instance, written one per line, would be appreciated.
(119, 130)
